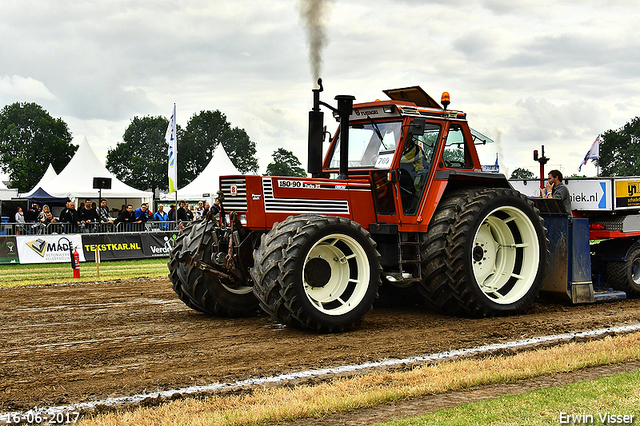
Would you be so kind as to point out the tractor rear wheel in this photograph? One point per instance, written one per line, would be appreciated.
(200, 289)
(318, 272)
(484, 253)
(625, 275)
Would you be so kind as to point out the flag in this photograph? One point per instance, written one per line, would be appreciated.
(171, 139)
(593, 154)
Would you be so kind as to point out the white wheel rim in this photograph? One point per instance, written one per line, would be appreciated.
(349, 278)
(505, 255)
(635, 270)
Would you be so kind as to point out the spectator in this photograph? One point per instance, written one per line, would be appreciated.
(126, 216)
(19, 215)
(200, 211)
(46, 216)
(182, 211)
(215, 209)
(141, 214)
(149, 211)
(63, 212)
(32, 213)
(103, 212)
(71, 217)
(206, 209)
(172, 212)
(190, 213)
(86, 214)
(19, 220)
(161, 216)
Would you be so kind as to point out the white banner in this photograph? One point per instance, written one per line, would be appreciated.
(48, 248)
(586, 194)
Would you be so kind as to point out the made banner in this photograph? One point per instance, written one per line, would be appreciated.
(8, 250)
(48, 248)
(112, 247)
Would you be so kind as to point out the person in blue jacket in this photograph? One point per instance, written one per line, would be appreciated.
(161, 216)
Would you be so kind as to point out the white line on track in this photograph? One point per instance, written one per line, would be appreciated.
(133, 399)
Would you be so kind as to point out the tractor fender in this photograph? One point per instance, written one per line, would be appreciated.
(463, 179)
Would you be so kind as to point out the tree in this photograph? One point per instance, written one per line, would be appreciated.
(140, 160)
(285, 164)
(620, 150)
(202, 135)
(521, 173)
(30, 139)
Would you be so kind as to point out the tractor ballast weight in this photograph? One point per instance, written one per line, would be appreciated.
(398, 206)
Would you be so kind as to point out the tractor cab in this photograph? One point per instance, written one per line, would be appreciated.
(404, 145)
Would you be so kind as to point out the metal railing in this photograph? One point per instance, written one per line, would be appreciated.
(39, 228)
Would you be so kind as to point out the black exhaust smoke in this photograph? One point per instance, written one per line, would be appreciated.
(313, 13)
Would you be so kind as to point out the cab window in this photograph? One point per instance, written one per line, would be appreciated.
(456, 154)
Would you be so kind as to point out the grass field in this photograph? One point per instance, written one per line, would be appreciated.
(608, 400)
(57, 273)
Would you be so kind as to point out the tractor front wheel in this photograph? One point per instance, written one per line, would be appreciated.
(201, 289)
(318, 272)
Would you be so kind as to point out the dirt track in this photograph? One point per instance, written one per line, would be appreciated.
(74, 343)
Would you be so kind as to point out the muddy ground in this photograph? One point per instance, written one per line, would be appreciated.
(86, 342)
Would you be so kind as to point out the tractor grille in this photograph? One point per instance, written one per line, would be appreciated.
(300, 205)
(238, 186)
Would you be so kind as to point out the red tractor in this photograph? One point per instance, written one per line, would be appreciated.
(399, 202)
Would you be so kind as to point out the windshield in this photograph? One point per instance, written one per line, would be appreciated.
(366, 149)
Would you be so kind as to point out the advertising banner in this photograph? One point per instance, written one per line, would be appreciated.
(157, 245)
(8, 250)
(112, 247)
(590, 194)
(628, 193)
(48, 248)
(585, 194)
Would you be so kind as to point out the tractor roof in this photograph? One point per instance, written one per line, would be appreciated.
(413, 94)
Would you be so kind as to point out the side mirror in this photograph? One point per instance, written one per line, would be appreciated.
(417, 126)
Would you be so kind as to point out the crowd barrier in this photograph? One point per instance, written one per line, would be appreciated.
(30, 243)
(39, 228)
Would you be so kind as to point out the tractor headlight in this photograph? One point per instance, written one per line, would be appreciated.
(241, 216)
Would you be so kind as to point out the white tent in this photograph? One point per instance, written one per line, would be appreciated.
(48, 176)
(76, 181)
(207, 182)
(6, 193)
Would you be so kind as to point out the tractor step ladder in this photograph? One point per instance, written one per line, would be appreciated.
(409, 253)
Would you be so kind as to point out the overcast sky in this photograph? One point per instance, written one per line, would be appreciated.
(527, 72)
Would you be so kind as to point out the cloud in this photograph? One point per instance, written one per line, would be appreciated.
(19, 89)
(533, 71)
